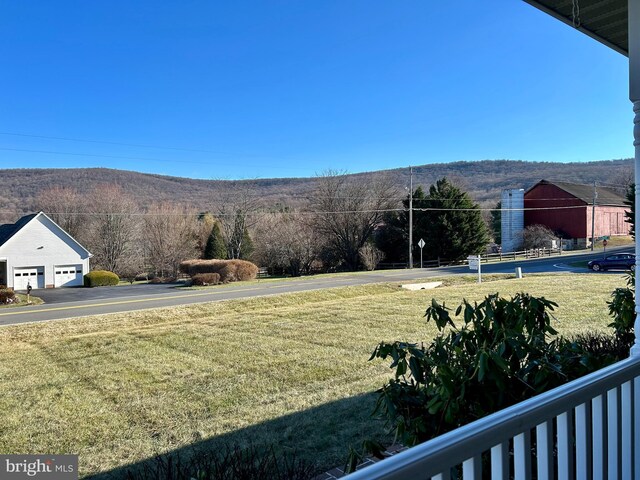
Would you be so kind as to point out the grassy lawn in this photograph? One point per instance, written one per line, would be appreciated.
(289, 369)
(580, 264)
(615, 241)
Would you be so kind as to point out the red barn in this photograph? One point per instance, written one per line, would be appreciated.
(566, 208)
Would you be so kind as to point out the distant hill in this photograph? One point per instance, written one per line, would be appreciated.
(484, 180)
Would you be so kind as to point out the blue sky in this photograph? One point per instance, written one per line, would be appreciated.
(249, 89)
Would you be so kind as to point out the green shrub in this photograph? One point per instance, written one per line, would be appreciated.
(500, 352)
(229, 463)
(505, 352)
(205, 279)
(229, 270)
(7, 295)
(100, 278)
(602, 348)
(622, 309)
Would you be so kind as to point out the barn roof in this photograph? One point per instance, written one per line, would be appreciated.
(583, 192)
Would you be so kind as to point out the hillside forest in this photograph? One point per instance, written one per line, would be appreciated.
(140, 223)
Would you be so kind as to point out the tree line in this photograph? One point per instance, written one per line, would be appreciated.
(346, 224)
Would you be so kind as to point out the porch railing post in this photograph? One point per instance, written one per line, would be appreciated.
(634, 96)
(635, 350)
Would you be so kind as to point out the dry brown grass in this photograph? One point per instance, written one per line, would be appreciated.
(290, 370)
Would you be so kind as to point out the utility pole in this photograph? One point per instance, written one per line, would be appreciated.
(593, 216)
(410, 217)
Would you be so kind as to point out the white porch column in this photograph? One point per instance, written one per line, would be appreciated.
(634, 96)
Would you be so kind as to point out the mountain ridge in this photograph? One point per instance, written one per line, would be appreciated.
(483, 179)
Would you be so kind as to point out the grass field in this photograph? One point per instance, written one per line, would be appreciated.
(289, 369)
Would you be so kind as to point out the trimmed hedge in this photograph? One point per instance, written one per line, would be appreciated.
(229, 270)
(100, 278)
(205, 279)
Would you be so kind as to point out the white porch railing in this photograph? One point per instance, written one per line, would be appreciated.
(591, 424)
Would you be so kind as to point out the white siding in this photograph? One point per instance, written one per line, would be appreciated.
(41, 243)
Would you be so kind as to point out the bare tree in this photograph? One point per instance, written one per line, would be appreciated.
(348, 210)
(537, 236)
(287, 241)
(622, 178)
(134, 263)
(66, 207)
(170, 236)
(370, 256)
(112, 228)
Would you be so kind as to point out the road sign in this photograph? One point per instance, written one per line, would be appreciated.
(474, 264)
(421, 245)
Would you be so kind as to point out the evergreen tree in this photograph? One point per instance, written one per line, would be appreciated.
(215, 247)
(247, 247)
(630, 201)
(452, 226)
(391, 237)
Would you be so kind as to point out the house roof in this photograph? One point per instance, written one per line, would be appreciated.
(585, 193)
(603, 20)
(7, 231)
(10, 229)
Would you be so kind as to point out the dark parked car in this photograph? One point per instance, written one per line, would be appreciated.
(618, 261)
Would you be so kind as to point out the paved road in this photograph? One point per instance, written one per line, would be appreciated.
(66, 303)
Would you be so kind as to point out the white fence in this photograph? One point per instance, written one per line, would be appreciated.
(486, 258)
(531, 253)
(587, 429)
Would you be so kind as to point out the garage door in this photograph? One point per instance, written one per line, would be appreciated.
(68, 276)
(28, 275)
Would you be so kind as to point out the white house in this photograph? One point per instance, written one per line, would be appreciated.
(36, 251)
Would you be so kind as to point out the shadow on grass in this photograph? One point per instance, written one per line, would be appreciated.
(320, 436)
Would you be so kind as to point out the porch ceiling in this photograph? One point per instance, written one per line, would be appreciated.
(604, 20)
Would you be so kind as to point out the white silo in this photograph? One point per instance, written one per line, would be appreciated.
(512, 218)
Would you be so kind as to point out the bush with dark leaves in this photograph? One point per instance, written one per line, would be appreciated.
(231, 463)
